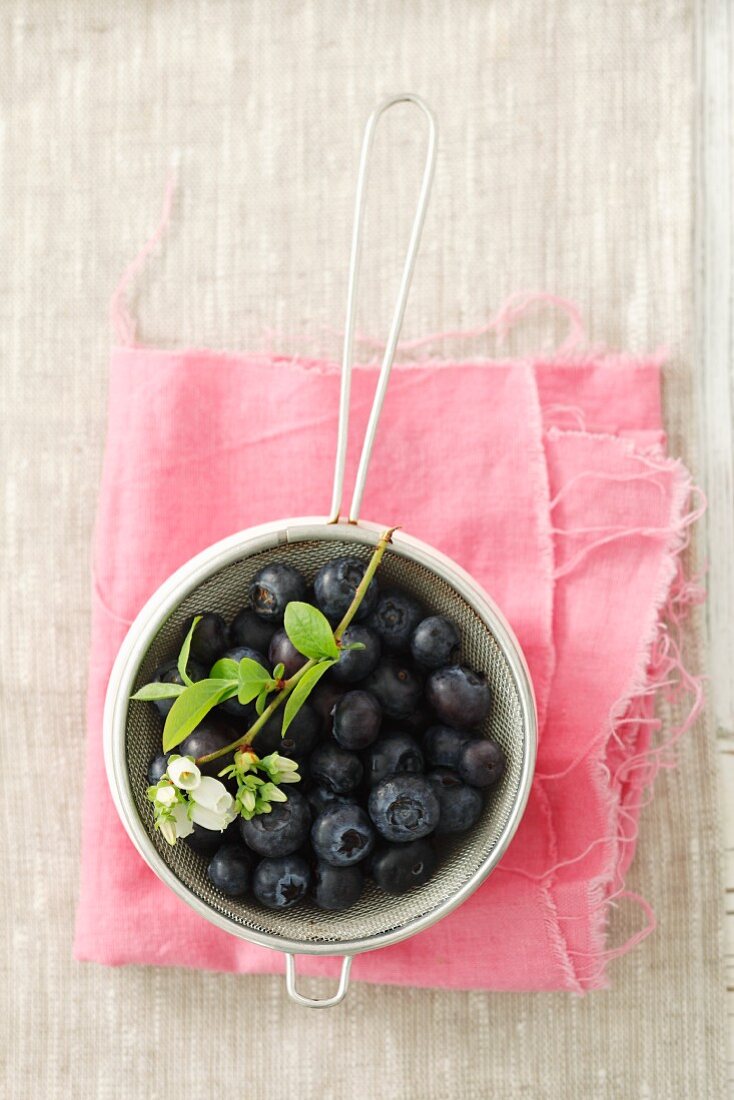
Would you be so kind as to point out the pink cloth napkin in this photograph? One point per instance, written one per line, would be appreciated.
(548, 481)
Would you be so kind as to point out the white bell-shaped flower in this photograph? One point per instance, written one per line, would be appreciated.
(184, 826)
(166, 795)
(212, 794)
(184, 773)
(212, 805)
(208, 819)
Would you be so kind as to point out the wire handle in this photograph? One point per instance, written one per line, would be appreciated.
(311, 1002)
(397, 320)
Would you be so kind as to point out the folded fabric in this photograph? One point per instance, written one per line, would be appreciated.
(547, 480)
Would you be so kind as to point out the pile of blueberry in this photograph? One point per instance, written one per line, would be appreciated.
(387, 744)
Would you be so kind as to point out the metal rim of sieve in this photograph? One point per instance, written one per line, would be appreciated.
(187, 580)
(309, 531)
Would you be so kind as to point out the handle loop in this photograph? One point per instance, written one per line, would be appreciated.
(310, 1002)
(399, 313)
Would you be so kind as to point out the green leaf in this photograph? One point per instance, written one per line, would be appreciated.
(353, 645)
(278, 672)
(225, 669)
(252, 670)
(262, 700)
(253, 679)
(183, 657)
(309, 631)
(302, 690)
(191, 707)
(158, 691)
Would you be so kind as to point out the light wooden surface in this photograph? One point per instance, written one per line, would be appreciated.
(714, 285)
(565, 164)
(726, 757)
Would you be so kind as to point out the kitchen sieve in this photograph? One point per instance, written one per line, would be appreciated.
(218, 579)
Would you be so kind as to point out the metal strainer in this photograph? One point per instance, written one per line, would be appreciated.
(219, 578)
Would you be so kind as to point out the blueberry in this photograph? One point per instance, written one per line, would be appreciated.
(210, 638)
(273, 588)
(209, 736)
(247, 629)
(207, 841)
(157, 768)
(395, 617)
(301, 737)
(396, 688)
(418, 721)
(342, 835)
(435, 642)
(335, 585)
(324, 698)
(443, 745)
(355, 664)
(281, 831)
(404, 807)
(335, 768)
(459, 696)
(229, 870)
(168, 674)
(356, 720)
(304, 731)
(392, 754)
(337, 887)
(320, 797)
(460, 804)
(244, 711)
(397, 868)
(481, 763)
(240, 651)
(280, 883)
(282, 651)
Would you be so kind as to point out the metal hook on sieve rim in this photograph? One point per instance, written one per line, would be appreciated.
(315, 1002)
(400, 304)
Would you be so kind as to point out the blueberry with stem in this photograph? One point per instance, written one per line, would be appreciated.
(335, 587)
(273, 588)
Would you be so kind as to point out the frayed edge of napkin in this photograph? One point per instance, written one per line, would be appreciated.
(663, 681)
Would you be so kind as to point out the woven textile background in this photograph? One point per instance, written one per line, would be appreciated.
(565, 165)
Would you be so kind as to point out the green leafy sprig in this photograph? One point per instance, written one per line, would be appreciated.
(310, 633)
